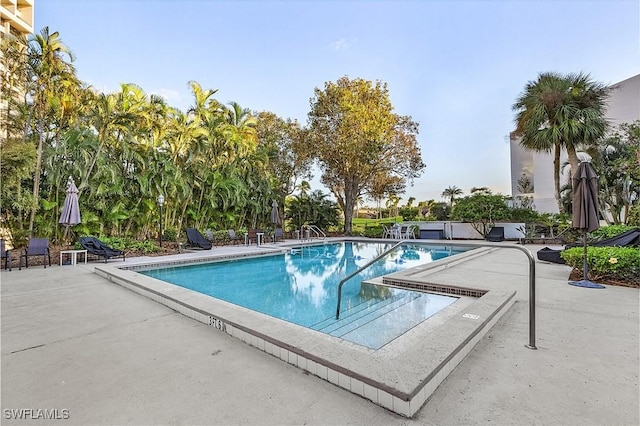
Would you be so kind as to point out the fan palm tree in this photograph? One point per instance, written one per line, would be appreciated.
(451, 193)
(558, 112)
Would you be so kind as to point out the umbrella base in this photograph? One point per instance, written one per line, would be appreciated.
(586, 283)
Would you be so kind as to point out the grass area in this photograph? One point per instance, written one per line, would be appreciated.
(372, 227)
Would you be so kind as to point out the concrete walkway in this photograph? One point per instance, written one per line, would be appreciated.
(91, 352)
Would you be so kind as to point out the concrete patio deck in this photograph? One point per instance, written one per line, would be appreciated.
(97, 353)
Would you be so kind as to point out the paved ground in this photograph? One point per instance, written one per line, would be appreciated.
(100, 354)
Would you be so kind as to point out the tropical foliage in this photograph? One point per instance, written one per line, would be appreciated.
(617, 162)
(612, 263)
(218, 166)
(482, 210)
(311, 209)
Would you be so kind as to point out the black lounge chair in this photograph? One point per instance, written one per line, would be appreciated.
(197, 240)
(550, 255)
(97, 248)
(630, 238)
(6, 255)
(36, 247)
(496, 234)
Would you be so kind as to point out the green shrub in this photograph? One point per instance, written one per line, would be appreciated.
(128, 244)
(170, 234)
(609, 231)
(618, 263)
(373, 231)
(634, 216)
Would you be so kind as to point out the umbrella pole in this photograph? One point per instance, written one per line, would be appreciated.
(585, 268)
(585, 265)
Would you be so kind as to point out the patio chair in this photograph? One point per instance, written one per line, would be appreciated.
(6, 255)
(252, 235)
(396, 231)
(196, 240)
(97, 248)
(386, 232)
(409, 233)
(278, 233)
(235, 239)
(496, 234)
(36, 247)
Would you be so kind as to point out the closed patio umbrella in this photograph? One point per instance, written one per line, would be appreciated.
(70, 214)
(275, 214)
(585, 212)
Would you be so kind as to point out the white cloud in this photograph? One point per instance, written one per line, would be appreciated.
(342, 44)
(170, 95)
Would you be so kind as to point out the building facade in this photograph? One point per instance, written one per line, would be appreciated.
(16, 17)
(532, 172)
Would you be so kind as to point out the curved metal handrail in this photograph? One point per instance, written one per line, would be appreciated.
(317, 231)
(532, 275)
(360, 269)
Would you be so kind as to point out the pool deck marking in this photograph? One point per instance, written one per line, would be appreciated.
(400, 376)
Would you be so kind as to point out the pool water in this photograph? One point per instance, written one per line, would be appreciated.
(300, 286)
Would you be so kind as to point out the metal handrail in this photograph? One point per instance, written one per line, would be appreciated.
(532, 275)
(360, 269)
(317, 230)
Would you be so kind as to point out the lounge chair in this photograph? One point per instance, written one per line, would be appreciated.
(629, 238)
(6, 255)
(235, 239)
(97, 248)
(196, 240)
(36, 247)
(496, 234)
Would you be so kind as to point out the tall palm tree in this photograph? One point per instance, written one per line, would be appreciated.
(46, 56)
(451, 193)
(558, 112)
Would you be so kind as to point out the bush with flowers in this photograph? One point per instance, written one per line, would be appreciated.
(620, 265)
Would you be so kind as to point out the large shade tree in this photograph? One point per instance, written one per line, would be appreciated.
(357, 138)
(559, 112)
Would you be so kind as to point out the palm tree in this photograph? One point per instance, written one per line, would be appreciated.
(451, 193)
(50, 72)
(558, 112)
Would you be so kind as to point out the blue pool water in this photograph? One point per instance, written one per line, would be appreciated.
(301, 287)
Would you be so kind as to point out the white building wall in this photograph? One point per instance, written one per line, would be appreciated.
(624, 102)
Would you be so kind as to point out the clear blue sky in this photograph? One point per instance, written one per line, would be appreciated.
(455, 66)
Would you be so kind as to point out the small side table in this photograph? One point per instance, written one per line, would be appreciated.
(74, 256)
(259, 237)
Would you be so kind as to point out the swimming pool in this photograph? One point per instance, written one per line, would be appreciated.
(399, 376)
(300, 286)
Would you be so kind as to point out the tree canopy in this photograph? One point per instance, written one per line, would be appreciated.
(559, 111)
(360, 142)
